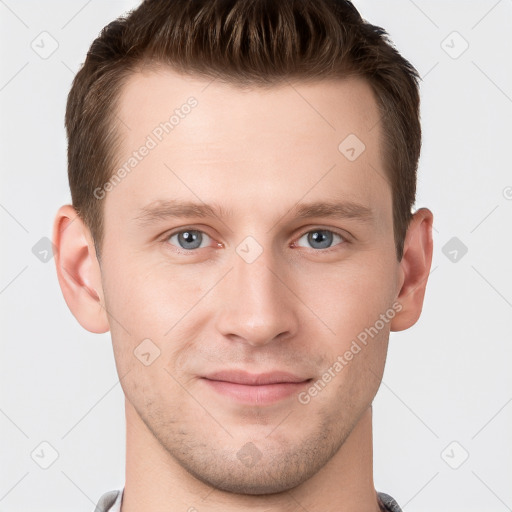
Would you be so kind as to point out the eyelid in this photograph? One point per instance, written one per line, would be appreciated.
(346, 237)
(168, 234)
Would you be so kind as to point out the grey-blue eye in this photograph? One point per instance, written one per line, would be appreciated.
(320, 238)
(190, 239)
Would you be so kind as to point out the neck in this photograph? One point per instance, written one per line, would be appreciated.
(155, 482)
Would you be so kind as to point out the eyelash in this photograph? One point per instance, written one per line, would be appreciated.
(180, 250)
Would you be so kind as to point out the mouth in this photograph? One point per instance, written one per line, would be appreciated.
(256, 389)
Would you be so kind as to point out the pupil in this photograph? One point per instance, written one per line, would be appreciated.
(189, 237)
(321, 237)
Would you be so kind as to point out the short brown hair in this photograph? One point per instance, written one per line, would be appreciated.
(244, 42)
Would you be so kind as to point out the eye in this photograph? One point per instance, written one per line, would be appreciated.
(189, 239)
(320, 238)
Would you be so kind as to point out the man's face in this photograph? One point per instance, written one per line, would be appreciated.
(256, 288)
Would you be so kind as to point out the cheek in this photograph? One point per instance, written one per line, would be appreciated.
(351, 295)
(153, 319)
(149, 298)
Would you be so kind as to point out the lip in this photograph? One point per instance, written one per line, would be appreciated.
(254, 379)
(255, 389)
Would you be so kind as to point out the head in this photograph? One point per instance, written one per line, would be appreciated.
(242, 177)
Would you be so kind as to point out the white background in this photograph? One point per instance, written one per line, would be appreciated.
(447, 379)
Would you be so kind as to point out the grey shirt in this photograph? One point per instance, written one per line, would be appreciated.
(111, 502)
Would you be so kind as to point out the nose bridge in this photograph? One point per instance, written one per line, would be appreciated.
(256, 306)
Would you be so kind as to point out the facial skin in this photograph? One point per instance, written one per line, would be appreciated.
(297, 307)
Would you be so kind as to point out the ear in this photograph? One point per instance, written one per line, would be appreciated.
(78, 270)
(414, 269)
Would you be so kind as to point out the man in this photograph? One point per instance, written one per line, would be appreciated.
(242, 176)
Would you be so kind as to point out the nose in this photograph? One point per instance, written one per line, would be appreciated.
(257, 305)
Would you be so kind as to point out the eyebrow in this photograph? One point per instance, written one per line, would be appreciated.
(165, 209)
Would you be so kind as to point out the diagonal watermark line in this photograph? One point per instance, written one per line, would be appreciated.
(3, 3)
(187, 312)
(14, 485)
(410, 499)
(492, 81)
(493, 287)
(14, 218)
(296, 501)
(213, 489)
(194, 398)
(312, 106)
(76, 14)
(14, 423)
(485, 15)
(14, 76)
(501, 409)
(386, 112)
(279, 424)
(81, 419)
(425, 75)
(384, 177)
(209, 83)
(410, 409)
(301, 301)
(485, 218)
(497, 497)
(65, 65)
(78, 488)
(305, 193)
(424, 14)
(123, 123)
(13, 279)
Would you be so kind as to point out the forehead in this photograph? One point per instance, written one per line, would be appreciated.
(312, 109)
(211, 139)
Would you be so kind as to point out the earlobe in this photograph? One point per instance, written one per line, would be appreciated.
(78, 270)
(414, 269)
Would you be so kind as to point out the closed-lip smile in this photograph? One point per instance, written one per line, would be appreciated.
(255, 388)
